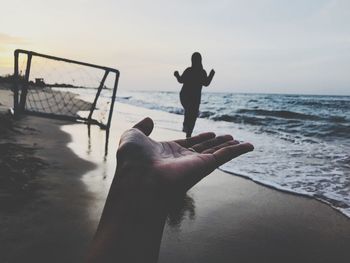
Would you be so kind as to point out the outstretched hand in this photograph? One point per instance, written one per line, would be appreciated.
(176, 165)
(149, 174)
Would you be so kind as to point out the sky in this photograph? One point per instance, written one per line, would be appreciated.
(262, 46)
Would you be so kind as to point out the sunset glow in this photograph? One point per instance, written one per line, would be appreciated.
(254, 46)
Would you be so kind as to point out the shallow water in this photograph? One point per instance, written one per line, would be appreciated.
(223, 217)
(301, 142)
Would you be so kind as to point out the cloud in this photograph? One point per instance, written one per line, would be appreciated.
(6, 39)
(7, 43)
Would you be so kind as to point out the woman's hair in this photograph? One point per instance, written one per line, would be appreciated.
(196, 60)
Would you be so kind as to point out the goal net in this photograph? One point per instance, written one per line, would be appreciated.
(62, 88)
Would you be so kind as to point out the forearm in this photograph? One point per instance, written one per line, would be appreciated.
(208, 80)
(149, 176)
(131, 225)
(179, 79)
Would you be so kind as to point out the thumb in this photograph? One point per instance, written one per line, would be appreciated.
(145, 126)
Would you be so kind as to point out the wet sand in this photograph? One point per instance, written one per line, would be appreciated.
(51, 224)
(225, 218)
(233, 219)
(237, 220)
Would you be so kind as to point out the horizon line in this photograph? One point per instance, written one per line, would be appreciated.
(262, 93)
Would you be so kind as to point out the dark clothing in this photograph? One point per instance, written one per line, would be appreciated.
(190, 96)
(191, 110)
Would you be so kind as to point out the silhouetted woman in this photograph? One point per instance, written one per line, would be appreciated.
(193, 79)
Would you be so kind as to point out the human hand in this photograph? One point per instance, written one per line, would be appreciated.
(149, 174)
(212, 72)
(173, 167)
(176, 74)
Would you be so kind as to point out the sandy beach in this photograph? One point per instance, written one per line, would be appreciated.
(225, 218)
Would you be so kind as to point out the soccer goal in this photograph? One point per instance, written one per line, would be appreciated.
(62, 88)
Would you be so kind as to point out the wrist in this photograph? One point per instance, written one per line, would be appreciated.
(133, 217)
(137, 192)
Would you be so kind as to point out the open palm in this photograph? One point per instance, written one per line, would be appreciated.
(177, 165)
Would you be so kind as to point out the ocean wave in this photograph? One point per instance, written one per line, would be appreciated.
(125, 97)
(310, 116)
(326, 102)
(301, 141)
(206, 114)
(177, 111)
(280, 113)
(242, 119)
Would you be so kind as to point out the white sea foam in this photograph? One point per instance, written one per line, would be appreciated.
(297, 165)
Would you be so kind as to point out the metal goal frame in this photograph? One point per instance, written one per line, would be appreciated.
(19, 98)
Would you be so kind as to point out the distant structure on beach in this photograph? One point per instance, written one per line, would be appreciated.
(39, 82)
(36, 92)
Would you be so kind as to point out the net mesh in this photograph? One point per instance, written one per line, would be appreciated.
(59, 88)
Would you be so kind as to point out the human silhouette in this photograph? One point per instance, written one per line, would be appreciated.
(193, 79)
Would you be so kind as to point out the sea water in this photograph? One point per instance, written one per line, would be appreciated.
(301, 141)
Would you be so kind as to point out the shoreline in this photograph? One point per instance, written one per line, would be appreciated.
(223, 219)
(287, 191)
(309, 167)
(50, 221)
(235, 217)
(53, 224)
